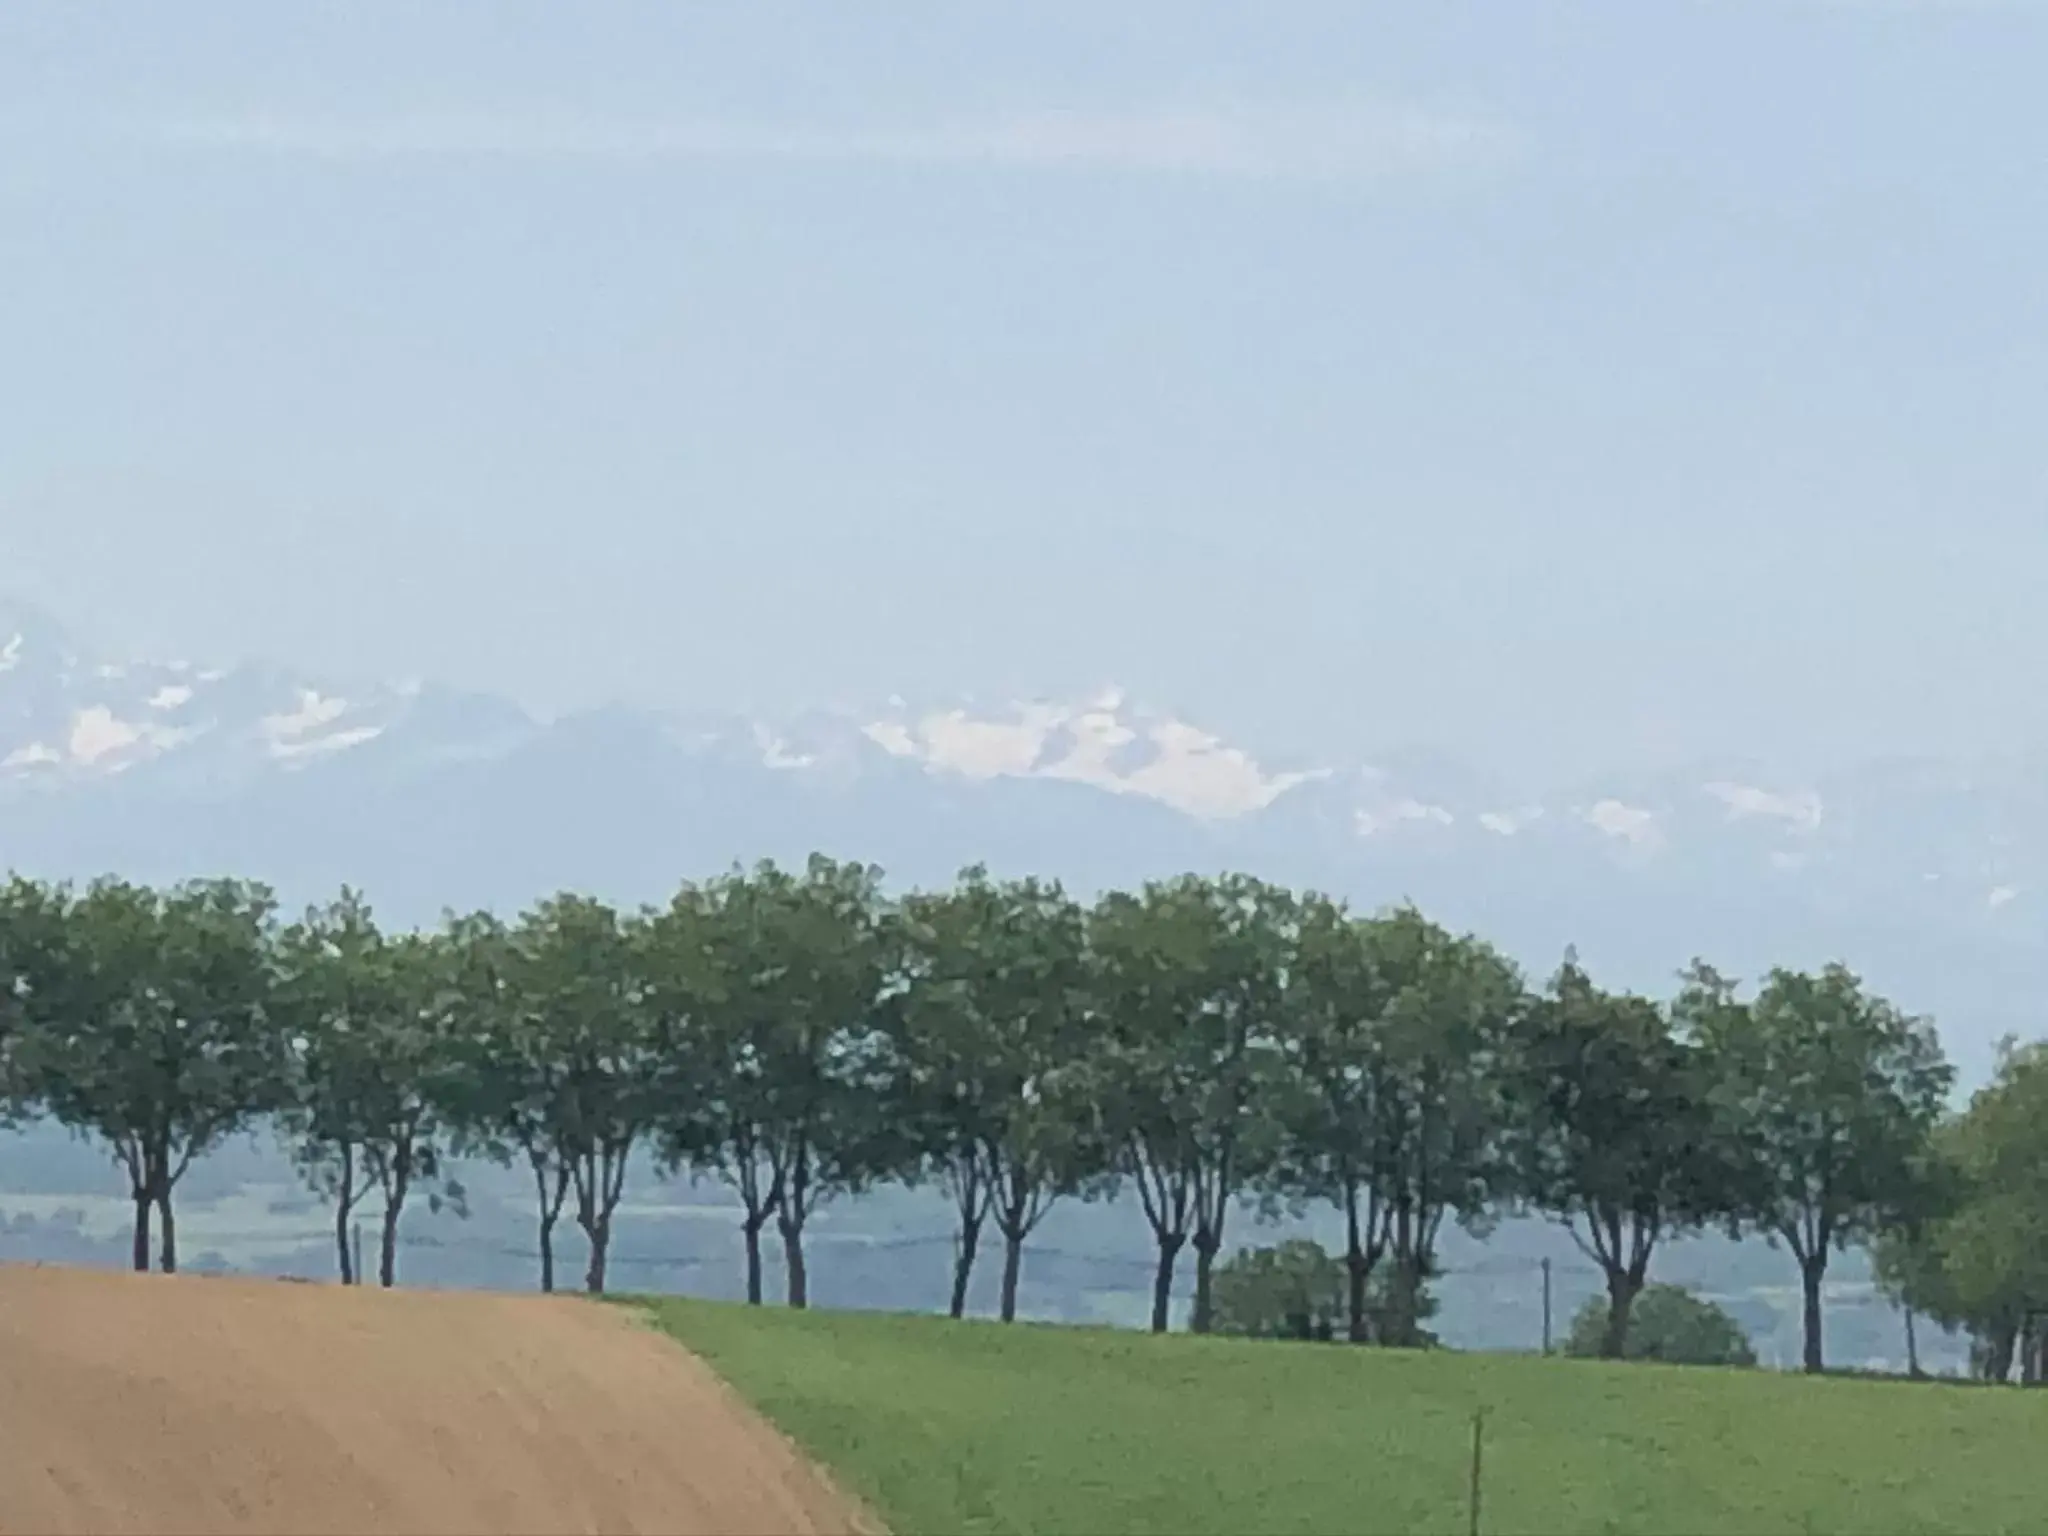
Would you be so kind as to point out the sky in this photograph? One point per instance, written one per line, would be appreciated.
(1569, 385)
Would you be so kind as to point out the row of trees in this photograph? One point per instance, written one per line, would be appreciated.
(802, 1035)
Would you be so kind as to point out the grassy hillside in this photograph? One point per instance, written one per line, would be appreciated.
(947, 1427)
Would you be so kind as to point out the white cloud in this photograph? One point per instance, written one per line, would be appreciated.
(1341, 142)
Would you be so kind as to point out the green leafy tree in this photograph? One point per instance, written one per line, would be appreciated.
(1295, 1290)
(1667, 1323)
(1616, 1137)
(577, 972)
(1444, 1154)
(149, 1028)
(1190, 976)
(1833, 1094)
(31, 940)
(991, 1018)
(798, 1063)
(1292, 1290)
(373, 1019)
(1381, 1116)
(505, 1093)
(1336, 1087)
(1977, 1257)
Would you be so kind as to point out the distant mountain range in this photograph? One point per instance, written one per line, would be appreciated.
(1928, 875)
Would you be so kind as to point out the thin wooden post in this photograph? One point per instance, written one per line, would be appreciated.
(1478, 1453)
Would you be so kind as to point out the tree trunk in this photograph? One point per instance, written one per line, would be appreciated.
(1912, 1348)
(1013, 1267)
(751, 1227)
(1358, 1268)
(1205, 1270)
(963, 1266)
(600, 1234)
(141, 1247)
(1622, 1289)
(348, 1268)
(1162, 1282)
(1998, 1348)
(1359, 1274)
(1403, 1327)
(793, 1262)
(547, 1251)
(387, 1243)
(1812, 1271)
(167, 1234)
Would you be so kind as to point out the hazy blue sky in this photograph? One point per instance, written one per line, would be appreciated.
(1573, 382)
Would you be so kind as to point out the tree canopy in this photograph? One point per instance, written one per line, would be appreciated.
(1205, 1043)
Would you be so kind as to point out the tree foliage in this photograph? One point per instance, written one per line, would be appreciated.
(149, 1029)
(1206, 1042)
(1617, 1139)
(1298, 1290)
(1667, 1323)
(1833, 1094)
(992, 1014)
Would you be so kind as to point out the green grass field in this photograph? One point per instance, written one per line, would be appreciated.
(948, 1427)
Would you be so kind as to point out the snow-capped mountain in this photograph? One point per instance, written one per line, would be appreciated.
(1926, 873)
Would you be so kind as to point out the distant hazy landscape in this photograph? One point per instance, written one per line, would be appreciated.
(162, 772)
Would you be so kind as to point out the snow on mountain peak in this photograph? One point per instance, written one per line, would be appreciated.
(1800, 809)
(1102, 742)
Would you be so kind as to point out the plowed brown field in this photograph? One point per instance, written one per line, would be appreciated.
(132, 1403)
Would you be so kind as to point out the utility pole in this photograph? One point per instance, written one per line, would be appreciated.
(1546, 1306)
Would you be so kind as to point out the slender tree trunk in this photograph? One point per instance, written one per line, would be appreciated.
(167, 1230)
(1811, 1272)
(963, 1265)
(1205, 1270)
(387, 1243)
(1162, 1281)
(550, 1213)
(600, 1234)
(141, 1245)
(793, 1263)
(1622, 1289)
(751, 1228)
(1013, 1268)
(1358, 1269)
(1912, 1348)
(343, 1205)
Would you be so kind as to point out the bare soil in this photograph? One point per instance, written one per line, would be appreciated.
(133, 1403)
